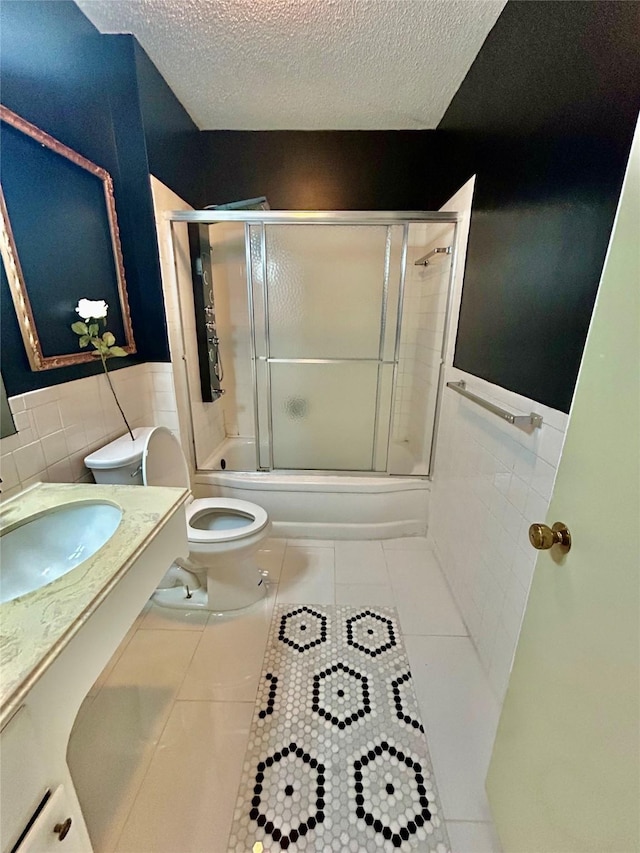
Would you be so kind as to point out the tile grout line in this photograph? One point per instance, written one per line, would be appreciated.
(218, 701)
(467, 820)
(457, 636)
(119, 652)
(273, 591)
(133, 800)
(175, 702)
(253, 705)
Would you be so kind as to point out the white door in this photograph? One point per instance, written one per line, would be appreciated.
(565, 770)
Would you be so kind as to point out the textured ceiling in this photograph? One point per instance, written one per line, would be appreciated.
(307, 64)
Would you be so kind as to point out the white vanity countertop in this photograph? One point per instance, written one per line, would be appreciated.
(35, 627)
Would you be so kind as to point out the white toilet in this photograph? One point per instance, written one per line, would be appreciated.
(223, 533)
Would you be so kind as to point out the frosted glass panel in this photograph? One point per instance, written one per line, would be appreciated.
(325, 288)
(323, 415)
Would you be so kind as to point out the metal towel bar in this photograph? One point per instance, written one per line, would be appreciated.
(531, 421)
(424, 260)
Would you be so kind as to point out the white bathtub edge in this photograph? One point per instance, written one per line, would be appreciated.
(328, 530)
(309, 483)
(331, 507)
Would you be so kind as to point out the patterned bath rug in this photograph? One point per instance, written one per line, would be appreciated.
(337, 759)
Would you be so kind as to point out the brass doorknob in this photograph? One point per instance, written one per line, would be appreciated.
(543, 537)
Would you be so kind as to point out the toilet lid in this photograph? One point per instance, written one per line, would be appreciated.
(223, 519)
(163, 462)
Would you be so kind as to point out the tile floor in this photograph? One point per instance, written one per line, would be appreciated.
(158, 745)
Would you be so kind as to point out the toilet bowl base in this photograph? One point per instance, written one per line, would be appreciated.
(175, 598)
(228, 586)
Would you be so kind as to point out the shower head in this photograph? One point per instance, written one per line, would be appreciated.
(424, 260)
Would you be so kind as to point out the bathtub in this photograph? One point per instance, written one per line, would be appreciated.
(318, 506)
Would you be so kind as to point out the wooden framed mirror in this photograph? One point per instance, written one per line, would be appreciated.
(59, 242)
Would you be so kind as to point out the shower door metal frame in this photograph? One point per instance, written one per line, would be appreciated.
(383, 329)
(328, 217)
(380, 361)
(312, 217)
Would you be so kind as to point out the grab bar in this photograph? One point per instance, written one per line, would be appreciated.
(531, 420)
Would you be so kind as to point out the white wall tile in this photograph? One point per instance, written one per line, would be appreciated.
(47, 418)
(23, 420)
(543, 478)
(168, 420)
(29, 460)
(490, 483)
(61, 472)
(8, 472)
(76, 438)
(425, 298)
(73, 419)
(517, 492)
(17, 404)
(164, 401)
(54, 447)
(189, 412)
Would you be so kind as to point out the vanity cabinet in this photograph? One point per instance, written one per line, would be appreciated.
(37, 817)
(54, 643)
(53, 829)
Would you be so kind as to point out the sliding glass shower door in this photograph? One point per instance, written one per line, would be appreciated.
(325, 324)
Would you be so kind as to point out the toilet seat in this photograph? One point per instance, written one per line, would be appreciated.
(256, 519)
(163, 464)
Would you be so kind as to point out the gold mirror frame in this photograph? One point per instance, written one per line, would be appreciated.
(9, 252)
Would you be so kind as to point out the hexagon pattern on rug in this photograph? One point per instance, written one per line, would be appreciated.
(339, 762)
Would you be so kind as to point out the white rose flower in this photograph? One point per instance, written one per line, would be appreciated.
(92, 309)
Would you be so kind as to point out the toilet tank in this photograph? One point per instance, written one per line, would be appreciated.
(120, 461)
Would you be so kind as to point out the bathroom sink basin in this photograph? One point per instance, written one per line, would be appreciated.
(46, 546)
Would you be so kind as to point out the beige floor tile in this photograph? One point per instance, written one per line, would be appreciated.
(378, 594)
(406, 543)
(115, 657)
(167, 619)
(360, 562)
(228, 660)
(157, 750)
(112, 744)
(473, 837)
(407, 566)
(100, 680)
(460, 716)
(424, 601)
(186, 802)
(307, 576)
(273, 543)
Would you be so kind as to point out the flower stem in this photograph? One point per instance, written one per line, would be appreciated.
(106, 373)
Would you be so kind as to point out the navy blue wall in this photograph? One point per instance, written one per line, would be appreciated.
(59, 73)
(173, 140)
(322, 170)
(545, 118)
